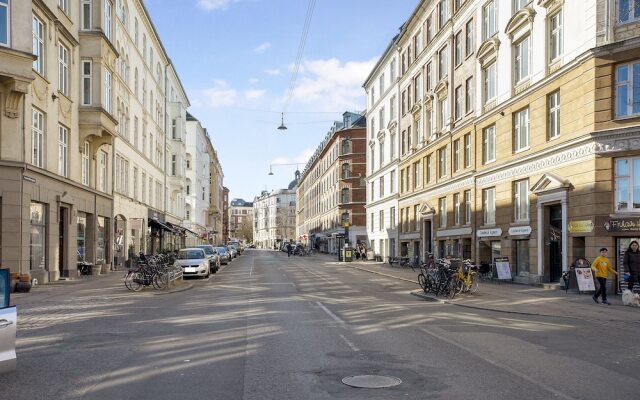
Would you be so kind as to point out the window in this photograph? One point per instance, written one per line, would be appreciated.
(442, 210)
(417, 178)
(102, 171)
(555, 36)
(443, 111)
(416, 219)
(345, 146)
(174, 165)
(417, 87)
(489, 27)
(392, 218)
(553, 103)
(381, 153)
(107, 19)
(489, 74)
(521, 200)
(457, 55)
(429, 168)
(458, 103)
(519, 5)
(417, 44)
(467, 150)
(63, 69)
(85, 164)
(371, 222)
(37, 138)
(467, 207)
(392, 181)
(627, 181)
(64, 5)
(468, 47)
(489, 206)
(144, 47)
(456, 208)
(381, 116)
(345, 171)
(489, 144)
(381, 80)
(151, 191)
(373, 95)
(392, 108)
(4, 22)
(373, 128)
(443, 13)
(403, 181)
(392, 146)
(429, 29)
(38, 43)
(135, 183)
(442, 63)
(442, 162)
(521, 130)
(521, 60)
(107, 90)
(38, 236)
(382, 186)
(63, 151)
(468, 96)
(456, 155)
(372, 155)
(85, 15)
(345, 195)
(628, 10)
(428, 73)
(628, 89)
(392, 71)
(86, 83)
(381, 222)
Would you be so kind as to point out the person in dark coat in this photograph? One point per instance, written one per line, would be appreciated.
(631, 262)
(288, 249)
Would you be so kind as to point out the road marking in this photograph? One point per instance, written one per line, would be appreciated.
(348, 342)
(332, 315)
(510, 370)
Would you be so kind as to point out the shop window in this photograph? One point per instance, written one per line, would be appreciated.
(520, 256)
(38, 237)
(81, 236)
(101, 240)
(627, 182)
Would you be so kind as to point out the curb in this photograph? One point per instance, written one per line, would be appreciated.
(181, 288)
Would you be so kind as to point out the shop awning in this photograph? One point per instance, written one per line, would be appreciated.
(177, 230)
(191, 232)
(159, 225)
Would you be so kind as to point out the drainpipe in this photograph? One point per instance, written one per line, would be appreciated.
(24, 169)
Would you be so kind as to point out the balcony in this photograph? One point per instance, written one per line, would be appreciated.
(16, 75)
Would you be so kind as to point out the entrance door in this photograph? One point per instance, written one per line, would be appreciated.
(428, 240)
(62, 241)
(554, 238)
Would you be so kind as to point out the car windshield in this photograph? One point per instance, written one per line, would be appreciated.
(221, 250)
(206, 249)
(190, 254)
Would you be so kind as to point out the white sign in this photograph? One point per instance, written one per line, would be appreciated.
(489, 232)
(585, 279)
(503, 269)
(454, 232)
(520, 230)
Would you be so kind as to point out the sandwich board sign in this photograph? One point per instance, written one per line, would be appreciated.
(503, 268)
(584, 277)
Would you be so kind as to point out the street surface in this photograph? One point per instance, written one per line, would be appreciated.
(272, 327)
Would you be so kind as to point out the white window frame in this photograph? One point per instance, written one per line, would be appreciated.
(442, 210)
(626, 182)
(108, 8)
(522, 60)
(467, 150)
(85, 163)
(456, 155)
(6, 24)
(381, 217)
(489, 144)
(468, 95)
(442, 162)
(518, 5)
(458, 103)
(63, 69)
(467, 207)
(107, 100)
(556, 37)
(63, 151)
(381, 186)
(521, 130)
(102, 171)
(39, 35)
(86, 15)
(456, 209)
(468, 50)
(64, 6)
(489, 25)
(87, 87)
(443, 62)
(37, 138)
(625, 105)
(489, 206)
(632, 13)
(489, 74)
(553, 111)
(521, 200)
(457, 53)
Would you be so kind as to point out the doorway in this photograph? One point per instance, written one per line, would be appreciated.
(554, 238)
(428, 238)
(62, 241)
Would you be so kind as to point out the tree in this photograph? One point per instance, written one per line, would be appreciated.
(245, 231)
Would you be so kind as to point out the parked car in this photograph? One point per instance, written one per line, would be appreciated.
(225, 257)
(233, 250)
(8, 322)
(237, 244)
(214, 258)
(194, 262)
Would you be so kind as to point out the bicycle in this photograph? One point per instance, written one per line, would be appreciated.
(468, 280)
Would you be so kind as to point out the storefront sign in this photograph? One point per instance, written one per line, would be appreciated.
(503, 269)
(584, 276)
(581, 226)
(519, 230)
(489, 232)
(623, 225)
(454, 232)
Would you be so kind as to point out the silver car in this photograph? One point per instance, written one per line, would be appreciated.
(214, 257)
(225, 257)
(8, 321)
(232, 250)
(194, 262)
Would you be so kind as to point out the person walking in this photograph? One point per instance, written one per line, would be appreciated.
(631, 263)
(602, 266)
(288, 249)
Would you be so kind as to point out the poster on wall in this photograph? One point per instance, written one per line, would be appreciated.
(584, 276)
(503, 268)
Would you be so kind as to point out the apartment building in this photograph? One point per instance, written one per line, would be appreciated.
(331, 192)
(520, 139)
(215, 210)
(274, 217)
(382, 160)
(197, 173)
(241, 220)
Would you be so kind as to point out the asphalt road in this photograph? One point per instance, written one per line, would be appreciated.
(272, 327)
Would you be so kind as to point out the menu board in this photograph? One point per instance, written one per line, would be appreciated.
(503, 269)
(584, 276)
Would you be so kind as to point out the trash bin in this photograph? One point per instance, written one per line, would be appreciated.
(348, 254)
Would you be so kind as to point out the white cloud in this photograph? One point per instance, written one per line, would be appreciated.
(272, 72)
(220, 95)
(262, 48)
(254, 80)
(212, 5)
(331, 84)
(253, 94)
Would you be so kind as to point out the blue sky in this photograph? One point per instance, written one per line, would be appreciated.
(235, 60)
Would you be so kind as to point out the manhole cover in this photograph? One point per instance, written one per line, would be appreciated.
(371, 381)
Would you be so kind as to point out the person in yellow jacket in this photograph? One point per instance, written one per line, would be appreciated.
(602, 266)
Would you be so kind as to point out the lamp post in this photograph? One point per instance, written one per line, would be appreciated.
(280, 165)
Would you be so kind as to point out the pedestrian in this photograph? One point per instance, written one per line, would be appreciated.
(602, 266)
(288, 249)
(631, 262)
(363, 253)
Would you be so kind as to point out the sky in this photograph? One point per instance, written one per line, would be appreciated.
(236, 58)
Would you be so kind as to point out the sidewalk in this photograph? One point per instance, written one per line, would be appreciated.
(512, 298)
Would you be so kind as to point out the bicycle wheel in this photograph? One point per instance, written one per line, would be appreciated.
(475, 283)
(422, 281)
(460, 286)
(452, 288)
(159, 280)
(133, 281)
